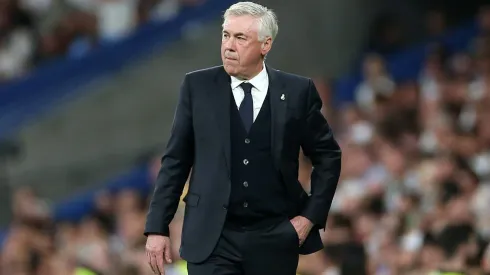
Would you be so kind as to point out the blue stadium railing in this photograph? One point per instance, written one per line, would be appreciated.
(61, 79)
(403, 66)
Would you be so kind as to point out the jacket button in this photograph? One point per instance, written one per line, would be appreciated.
(225, 207)
(247, 141)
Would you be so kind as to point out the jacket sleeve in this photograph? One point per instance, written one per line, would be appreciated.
(320, 146)
(176, 164)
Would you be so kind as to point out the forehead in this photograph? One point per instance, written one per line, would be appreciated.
(240, 24)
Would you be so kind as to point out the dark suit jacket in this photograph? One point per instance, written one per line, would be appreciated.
(200, 138)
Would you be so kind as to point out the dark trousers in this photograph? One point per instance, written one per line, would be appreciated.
(270, 250)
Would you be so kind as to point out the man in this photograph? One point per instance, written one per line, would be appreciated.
(240, 127)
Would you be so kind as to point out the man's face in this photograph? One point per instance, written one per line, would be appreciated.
(241, 51)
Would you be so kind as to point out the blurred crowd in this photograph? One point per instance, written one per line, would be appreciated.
(35, 31)
(109, 241)
(414, 194)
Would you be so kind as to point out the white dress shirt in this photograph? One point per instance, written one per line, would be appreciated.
(259, 90)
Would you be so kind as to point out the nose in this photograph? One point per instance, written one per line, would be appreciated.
(229, 44)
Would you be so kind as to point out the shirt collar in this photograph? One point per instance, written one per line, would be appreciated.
(260, 81)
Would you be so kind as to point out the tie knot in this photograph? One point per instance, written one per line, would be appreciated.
(247, 87)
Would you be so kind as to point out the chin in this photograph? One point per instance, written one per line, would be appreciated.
(231, 70)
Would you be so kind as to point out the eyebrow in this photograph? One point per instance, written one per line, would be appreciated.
(236, 34)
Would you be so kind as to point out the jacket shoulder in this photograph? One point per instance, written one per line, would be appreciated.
(206, 72)
(290, 77)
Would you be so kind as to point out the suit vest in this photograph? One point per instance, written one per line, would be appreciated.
(257, 193)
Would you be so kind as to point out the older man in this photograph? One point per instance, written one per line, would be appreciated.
(240, 127)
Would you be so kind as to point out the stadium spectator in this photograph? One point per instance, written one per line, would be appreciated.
(17, 40)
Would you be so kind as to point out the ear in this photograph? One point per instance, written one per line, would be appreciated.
(266, 46)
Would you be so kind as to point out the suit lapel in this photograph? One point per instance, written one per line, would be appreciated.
(278, 100)
(221, 103)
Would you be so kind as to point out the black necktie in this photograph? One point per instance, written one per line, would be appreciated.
(247, 106)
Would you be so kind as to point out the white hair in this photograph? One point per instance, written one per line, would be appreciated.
(266, 18)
